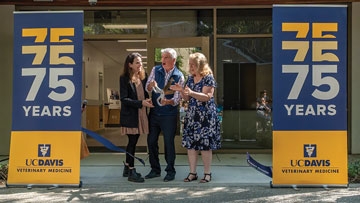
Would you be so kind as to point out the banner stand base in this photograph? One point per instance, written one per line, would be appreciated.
(295, 186)
(48, 186)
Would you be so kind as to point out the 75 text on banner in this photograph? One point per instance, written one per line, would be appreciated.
(46, 119)
(310, 95)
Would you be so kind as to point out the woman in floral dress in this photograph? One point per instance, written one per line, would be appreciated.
(201, 124)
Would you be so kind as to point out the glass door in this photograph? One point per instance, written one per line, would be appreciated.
(184, 47)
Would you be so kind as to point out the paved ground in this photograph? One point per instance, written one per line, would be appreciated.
(180, 192)
(233, 181)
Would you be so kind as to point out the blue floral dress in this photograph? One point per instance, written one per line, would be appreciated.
(201, 124)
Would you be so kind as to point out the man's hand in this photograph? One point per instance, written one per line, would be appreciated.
(165, 101)
(151, 85)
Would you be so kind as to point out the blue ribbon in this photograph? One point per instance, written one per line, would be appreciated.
(108, 144)
(267, 170)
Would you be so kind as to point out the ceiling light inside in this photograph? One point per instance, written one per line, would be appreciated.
(136, 49)
(132, 40)
(118, 26)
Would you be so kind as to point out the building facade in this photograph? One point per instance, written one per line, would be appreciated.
(236, 36)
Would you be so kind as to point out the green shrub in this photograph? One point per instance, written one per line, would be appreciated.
(3, 172)
(354, 171)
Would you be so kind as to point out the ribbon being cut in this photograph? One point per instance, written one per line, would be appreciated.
(108, 144)
(267, 170)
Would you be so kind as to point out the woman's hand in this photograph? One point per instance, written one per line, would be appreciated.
(147, 103)
(187, 91)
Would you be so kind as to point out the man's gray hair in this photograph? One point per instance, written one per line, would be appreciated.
(171, 51)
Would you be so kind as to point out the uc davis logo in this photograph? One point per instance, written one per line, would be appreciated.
(310, 150)
(44, 150)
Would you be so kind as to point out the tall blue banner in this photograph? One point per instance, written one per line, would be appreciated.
(310, 95)
(47, 71)
(46, 118)
(310, 61)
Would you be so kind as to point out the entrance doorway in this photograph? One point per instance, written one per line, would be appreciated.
(181, 45)
(118, 51)
(184, 47)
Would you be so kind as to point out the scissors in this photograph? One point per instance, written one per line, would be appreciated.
(156, 89)
(164, 91)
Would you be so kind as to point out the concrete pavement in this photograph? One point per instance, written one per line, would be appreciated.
(233, 181)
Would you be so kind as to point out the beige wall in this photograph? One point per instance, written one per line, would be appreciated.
(355, 81)
(111, 78)
(93, 61)
(6, 58)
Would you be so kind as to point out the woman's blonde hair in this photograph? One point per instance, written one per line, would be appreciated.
(201, 63)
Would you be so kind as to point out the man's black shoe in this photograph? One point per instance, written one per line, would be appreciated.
(152, 174)
(169, 177)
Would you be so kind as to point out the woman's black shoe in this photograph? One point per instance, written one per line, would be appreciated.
(206, 179)
(126, 170)
(135, 177)
(191, 177)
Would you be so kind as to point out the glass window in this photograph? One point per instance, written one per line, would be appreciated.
(205, 23)
(115, 22)
(181, 23)
(244, 71)
(241, 50)
(244, 21)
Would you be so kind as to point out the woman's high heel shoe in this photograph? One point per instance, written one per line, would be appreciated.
(205, 179)
(194, 177)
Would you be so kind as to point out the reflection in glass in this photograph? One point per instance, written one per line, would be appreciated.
(250, 50)
(244, 69)
(181, 23)
(115, 22)
(244, 21)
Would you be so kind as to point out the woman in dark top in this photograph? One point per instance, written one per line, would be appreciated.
(133, 116)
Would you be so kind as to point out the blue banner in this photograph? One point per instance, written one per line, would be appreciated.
(309, 67)
(47, 71)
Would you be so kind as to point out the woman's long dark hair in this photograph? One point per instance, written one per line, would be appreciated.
(128, 71)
